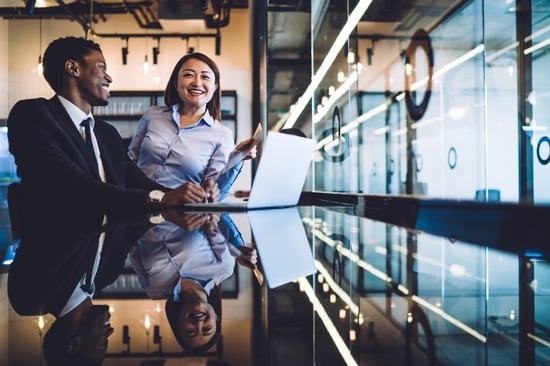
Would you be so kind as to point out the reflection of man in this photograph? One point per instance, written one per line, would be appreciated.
(186, 264)
(64, 252)
(80, 339)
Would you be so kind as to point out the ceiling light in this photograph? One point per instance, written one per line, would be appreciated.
(351, 57)
(125, 53)
(147, 323)
(342, 314)
(369, 56)
(126, 337)
(45, 3)
(40, 66)
(156, 51)
(41, 323)
(146, 65)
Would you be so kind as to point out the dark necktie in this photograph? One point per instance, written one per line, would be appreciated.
(87, 283)
(88, 137)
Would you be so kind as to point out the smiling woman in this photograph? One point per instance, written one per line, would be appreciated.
(185, 142)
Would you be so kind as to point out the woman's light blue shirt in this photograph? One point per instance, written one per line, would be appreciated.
(171, 155)
(166, 253)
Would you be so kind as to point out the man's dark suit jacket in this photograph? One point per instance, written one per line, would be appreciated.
(53, 258)
(54, 163)
(58, 178)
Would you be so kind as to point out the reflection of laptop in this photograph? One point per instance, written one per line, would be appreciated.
(283, 248)
(280, 176)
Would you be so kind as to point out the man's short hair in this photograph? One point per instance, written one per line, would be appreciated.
(55, 348)
(61, 50)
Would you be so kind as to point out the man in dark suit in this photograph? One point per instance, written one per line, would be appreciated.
(62, 163)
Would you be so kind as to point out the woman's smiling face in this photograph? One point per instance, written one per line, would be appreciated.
(198, 323)
(196, 84)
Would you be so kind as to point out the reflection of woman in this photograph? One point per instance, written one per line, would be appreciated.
(186, 264)
(195, 317)
(186, 142)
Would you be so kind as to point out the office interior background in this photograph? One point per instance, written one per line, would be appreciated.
(439, 99)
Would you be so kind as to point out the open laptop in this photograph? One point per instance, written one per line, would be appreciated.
(280, 176)
(283, 247)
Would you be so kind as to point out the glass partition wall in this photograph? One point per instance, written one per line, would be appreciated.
(444, 99)
(389, 296)
(441, 99)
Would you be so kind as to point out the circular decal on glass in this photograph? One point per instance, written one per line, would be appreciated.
(452, 157)
(420, 39)
(541, 159)
(338, 148)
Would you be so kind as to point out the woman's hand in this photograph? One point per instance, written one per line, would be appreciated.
(211, 223)
(248, 258)
(211, 189)
(247, 148)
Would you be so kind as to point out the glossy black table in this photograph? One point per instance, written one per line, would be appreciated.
(363, 280)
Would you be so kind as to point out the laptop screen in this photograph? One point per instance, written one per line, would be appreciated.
(282, 171)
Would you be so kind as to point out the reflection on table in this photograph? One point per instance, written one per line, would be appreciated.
(326, 283)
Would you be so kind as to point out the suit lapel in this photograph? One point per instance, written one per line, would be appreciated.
(67, 125)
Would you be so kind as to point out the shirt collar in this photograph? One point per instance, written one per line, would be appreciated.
(206, 118)
(76, 114)
(207, 286)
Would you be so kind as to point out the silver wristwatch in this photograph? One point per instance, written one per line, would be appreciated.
(156, 218)
(156, 196)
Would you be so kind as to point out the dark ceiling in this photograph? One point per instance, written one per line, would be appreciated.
(289, 29)
(146, 12)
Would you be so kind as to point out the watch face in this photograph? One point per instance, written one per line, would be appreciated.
(156, 195)
(156, 219)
